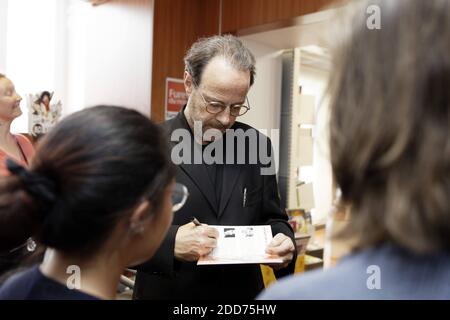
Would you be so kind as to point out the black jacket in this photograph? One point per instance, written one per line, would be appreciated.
(163, 277)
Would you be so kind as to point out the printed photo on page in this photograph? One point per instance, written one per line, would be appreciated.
(241, 244)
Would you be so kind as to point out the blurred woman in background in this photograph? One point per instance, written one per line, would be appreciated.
(15, 146)
(390, 153)
(19, 148)
(97, 194)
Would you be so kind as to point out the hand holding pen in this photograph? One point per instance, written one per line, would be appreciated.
(194, 240)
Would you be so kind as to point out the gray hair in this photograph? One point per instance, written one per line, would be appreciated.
(227, 46)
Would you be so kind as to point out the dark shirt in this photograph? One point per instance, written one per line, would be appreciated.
(215, 173)
(33, 285)
(215, 170)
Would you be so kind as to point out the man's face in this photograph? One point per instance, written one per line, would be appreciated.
(220, 82)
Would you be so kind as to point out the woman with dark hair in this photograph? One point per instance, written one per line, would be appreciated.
(390, 153)
(97, 194)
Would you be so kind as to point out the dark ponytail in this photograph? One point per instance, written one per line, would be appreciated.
(100, 161)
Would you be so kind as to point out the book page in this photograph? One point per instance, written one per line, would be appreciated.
(241, 244)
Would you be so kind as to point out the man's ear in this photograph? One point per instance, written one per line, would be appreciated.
(188, 84)
(139, 215)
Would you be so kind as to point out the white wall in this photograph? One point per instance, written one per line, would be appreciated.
(28, 49)
(86, 54)
(109, 54)
(3, 33)
(265, 94)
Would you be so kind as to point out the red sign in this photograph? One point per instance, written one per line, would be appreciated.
(176, 97)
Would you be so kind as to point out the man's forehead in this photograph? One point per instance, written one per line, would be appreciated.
(225, 94)
(221, 64)
(219, 75)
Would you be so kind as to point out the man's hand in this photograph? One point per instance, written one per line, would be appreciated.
(282, 246)
(192, 242)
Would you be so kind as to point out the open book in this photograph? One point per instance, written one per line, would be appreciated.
(241, 244)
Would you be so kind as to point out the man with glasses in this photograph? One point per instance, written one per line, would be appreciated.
(219, 72)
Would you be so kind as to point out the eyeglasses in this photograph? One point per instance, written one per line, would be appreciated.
(236, 110)
(180, 194)
(215, 107)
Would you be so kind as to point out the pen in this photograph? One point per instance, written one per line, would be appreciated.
(245, 197)
(195, 221)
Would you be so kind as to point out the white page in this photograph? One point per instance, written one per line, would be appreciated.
(241, 244)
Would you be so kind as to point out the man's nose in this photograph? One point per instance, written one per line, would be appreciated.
(224, 117)
(18, 97)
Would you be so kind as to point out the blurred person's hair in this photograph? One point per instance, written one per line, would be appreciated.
(87, 174)
(390, 124)
(226, 46)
